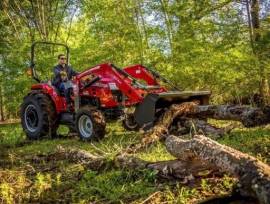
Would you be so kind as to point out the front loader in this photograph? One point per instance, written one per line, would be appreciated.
(153, 105)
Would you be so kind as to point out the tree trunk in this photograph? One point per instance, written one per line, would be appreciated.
(139, 35)
(2, 118)
(140, 12)
(250, 25)
(167, 19)
(248, 116)
(254, 176)
(255, 19)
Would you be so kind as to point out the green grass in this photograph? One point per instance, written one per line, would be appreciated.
(114, 186)
(23, 180)
(255, 141)
(11, 135)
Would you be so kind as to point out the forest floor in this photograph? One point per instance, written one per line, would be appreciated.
(24, 179)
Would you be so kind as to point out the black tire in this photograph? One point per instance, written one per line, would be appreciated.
(129, 123)
(72, 129)
(90, 123)
(38, 116)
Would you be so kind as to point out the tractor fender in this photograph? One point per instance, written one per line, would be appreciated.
(58, 101)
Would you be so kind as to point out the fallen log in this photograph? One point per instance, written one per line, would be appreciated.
(248, 116)
(254, 175)
(185, 112)
(196, 126)
(173, 169)
(161, 129)
(201, 126)
(181, 170)
(91, 161)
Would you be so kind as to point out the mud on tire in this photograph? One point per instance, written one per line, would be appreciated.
(38, 116)
(90, 123)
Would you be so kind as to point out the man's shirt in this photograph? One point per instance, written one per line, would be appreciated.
(57, 77)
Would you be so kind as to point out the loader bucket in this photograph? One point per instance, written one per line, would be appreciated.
(154, 105)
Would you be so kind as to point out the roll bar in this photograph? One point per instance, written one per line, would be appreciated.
(32, 60)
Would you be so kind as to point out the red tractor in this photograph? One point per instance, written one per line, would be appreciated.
(100, 93)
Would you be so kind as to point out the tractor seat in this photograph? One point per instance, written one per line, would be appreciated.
(49, 82)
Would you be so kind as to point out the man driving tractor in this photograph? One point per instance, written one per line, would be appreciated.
(62, 74)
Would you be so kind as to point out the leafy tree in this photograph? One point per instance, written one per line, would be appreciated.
(195, 44)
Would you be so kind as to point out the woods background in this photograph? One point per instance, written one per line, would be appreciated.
(196, 44)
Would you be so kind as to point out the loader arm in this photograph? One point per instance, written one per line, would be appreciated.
(139, 72)
(150, 76)
(118, 79)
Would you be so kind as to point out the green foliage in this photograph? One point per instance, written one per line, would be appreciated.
(206, 43)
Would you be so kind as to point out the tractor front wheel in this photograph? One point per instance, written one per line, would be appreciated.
(38, 116)
(129, 123)
(90, 123)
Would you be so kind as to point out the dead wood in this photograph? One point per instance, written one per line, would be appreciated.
(191, 126)
(254, 175)
(172, 169)
(161, 129)
(181, 170)
(248, 116)
(94, 162)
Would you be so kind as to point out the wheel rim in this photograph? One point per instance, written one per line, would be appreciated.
(130, 122)
(31, 118)
(85, 126)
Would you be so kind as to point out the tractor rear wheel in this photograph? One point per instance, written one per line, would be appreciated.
(38, 116)
(90, 123)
